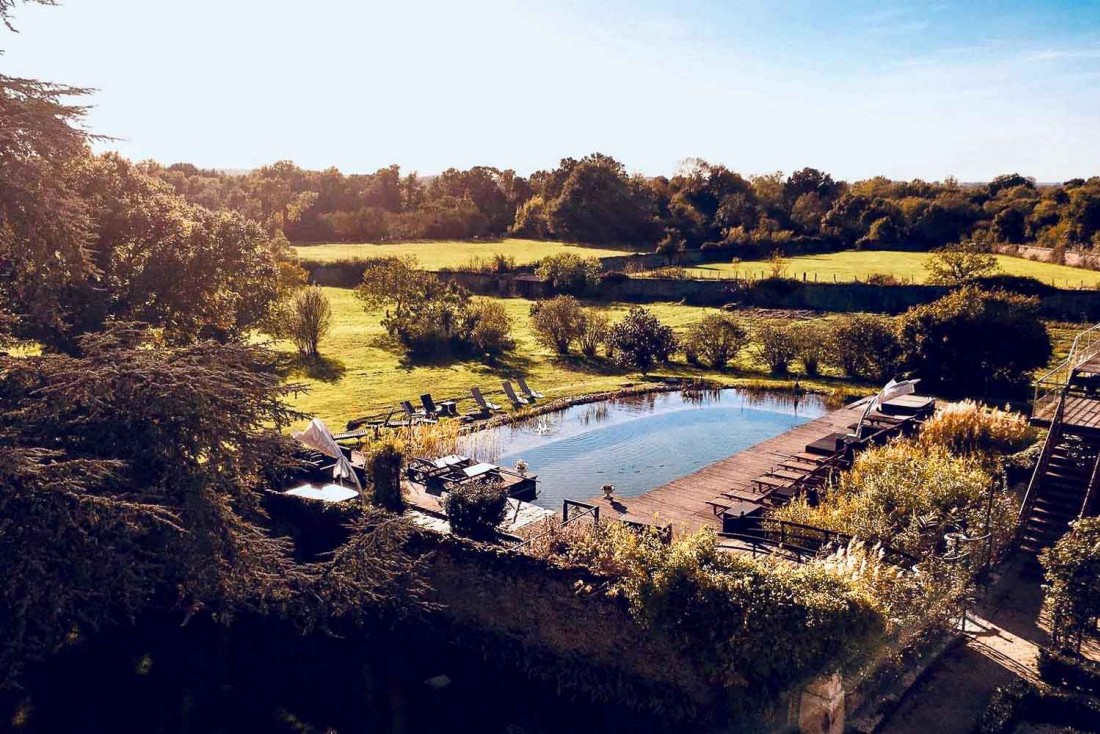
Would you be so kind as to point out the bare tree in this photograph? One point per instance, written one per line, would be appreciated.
(310, 320)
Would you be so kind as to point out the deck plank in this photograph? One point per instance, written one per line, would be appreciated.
(683, 502)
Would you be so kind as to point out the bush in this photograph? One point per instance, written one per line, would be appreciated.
(596, 325)
(431, 317)
(1072, 569)
(812, 345)
(864, 346)
(490, 327)
(908, 496)
(1069, 671)
(496, 264)
(570, 274)
(386, 476)
(1023, 285)
(969, 428)
(715, 340)
(475, 508)
(882, 279)
(640, 340)
(1020, 701)
(775, 344)
(558, 322)
(971, 341)
(755, 627)
(309, 320)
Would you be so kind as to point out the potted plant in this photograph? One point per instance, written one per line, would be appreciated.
(608, 491)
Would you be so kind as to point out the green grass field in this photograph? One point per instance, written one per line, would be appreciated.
(434, 255)
(363, 373)
(908, 266)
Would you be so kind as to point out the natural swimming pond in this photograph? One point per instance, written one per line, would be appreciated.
(639, 442)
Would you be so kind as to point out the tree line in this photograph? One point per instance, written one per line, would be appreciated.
(594, 199)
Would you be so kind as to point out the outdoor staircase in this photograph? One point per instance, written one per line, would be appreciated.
(1066, 481)
(1058, 495)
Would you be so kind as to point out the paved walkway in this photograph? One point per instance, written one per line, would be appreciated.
(1003, 638)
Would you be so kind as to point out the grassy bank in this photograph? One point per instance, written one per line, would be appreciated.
(434, 255)
(905, 266)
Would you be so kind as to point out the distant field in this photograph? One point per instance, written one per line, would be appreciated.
(907, 266)
(434, 255)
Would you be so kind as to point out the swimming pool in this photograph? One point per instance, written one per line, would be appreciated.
(639, 442)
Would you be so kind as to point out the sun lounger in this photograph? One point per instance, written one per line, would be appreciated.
(531, 394)
(414, 415)
(481, 401)
(430, 409)
(510, 392)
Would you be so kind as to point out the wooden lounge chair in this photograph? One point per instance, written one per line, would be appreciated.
(510, 392)
(414, 415)
(532, 395)
(482, 402)
(430, 409)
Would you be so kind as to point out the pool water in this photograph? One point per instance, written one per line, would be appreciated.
(639, 442)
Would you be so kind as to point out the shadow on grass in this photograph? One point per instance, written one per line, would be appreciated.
(325, 369)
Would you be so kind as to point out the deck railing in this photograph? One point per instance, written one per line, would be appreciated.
(1085, 346)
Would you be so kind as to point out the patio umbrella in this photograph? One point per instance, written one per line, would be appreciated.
(892, 389)
(317, 436)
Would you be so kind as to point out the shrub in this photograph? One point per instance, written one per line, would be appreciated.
(812, 345)
(490, 327)
(971, 341)
(570, 274)
(430, 316)
(558, 322)
(864, 346)
(1024, 285)
(715, 340)
(908, 496)
(640, 340)
(775, 344)
(594, 333)
(777, 266)
(309, 320)
(475, 508)
(1069, 671)
(756, 628)
(496, 264)
(882, 279)
(674, 272)
(386, 475)
(969, 428)
(1072, 569)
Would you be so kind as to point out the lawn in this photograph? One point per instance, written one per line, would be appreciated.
(362, 373)
(434, 255)
(907, 266)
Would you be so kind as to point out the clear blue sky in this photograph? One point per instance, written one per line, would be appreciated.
(970, 88)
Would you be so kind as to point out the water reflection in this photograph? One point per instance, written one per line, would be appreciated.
(639, 442)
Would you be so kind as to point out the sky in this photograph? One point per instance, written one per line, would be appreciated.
(907, 89)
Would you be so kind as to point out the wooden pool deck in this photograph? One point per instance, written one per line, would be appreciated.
(683, 502)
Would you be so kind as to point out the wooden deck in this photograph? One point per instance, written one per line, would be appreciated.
(683, 502)
(1081, 413)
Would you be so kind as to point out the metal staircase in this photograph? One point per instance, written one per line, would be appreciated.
(1064, 485)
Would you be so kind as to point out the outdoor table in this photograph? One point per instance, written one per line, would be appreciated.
(448, 407)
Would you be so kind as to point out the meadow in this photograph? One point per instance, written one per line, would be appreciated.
(438, 254)
(363, 372)
(909, 267)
